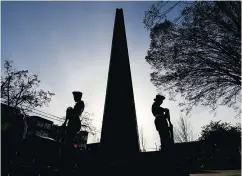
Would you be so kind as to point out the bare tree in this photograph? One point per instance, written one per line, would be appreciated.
(183, 130)
(156, 147)
(86, 123)
(20, 90)
(142, 140)
(159, 11)
(96, 137)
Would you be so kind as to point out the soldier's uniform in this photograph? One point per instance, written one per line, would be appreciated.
(161, 123)
(74, 123)
(73, 126)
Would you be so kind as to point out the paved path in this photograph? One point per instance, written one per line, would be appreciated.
(219, 173)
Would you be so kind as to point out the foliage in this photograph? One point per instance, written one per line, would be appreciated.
(20, 90)
(198, 55)
(222, 135)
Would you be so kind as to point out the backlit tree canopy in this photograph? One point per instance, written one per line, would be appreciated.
(199, 54)
(20, 90)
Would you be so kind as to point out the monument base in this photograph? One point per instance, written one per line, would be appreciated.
(139, 164)
(143, 164)
(127, 169)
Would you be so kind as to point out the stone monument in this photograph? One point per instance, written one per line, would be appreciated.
(119, 129)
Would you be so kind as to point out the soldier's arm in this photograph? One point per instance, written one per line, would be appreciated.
(64, 124)
(67, 117)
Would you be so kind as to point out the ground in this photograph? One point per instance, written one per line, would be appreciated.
(219, 173)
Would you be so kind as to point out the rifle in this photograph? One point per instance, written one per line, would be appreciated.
(171, 133)
(170, 127)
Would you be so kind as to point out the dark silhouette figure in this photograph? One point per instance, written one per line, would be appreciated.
(73, 118)
(162, 117)
(73, 126)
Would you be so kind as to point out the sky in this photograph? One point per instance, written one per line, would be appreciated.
(68, 45)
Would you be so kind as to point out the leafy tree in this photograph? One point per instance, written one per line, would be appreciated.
(222, 136)
(221, 145)
(198, 55)
(20, 90)
(183, 130)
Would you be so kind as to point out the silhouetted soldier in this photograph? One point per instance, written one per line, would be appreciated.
(162, 117)
(73, 126)
(73, 118)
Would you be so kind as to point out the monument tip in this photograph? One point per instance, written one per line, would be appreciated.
(119, 9)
